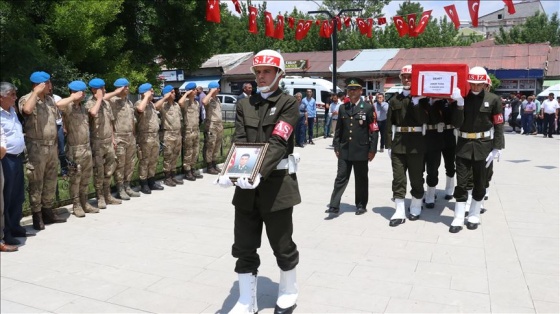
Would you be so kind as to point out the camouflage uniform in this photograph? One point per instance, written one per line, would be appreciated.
(171, 121)
(214, 129)
(191, 115)
(123, 112)
(148, 141)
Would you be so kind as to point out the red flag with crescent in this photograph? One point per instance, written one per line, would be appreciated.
(253, 20)
(474, 5)
(338, 24)
(347, 21)
(424, 20)
(411, 18)
(381, 21)
(291, 22)
(510, 6)
(326, 29)
(302, 29)
(401, 25)
(237, 6)
(213, 11)
(268, 24)
(279, 30)
(452, 13)
(362, 25)
(369, 23)
(231, 160)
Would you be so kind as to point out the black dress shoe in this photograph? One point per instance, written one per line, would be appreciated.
(482, 210)
(360, 210)
(412, 217)
(22, 234)
(471, 226)
(332, 210)
(279, 310)
(396, 222)
(11, 240)
(430, 205)
(466, 214)
(448, 197)
(486, 198)
(455, 229)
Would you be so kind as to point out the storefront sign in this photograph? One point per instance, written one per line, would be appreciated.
(297, 64)
(172, 75)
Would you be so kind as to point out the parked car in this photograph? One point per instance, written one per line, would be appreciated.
(228, 106)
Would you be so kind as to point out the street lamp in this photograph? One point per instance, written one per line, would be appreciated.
(334, 37)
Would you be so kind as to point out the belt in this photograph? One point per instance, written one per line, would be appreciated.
(13, 155)
(477, 135)
(283, 164)
(409, 129)
(42, 142)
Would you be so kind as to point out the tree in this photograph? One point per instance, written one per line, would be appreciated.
(536, 29)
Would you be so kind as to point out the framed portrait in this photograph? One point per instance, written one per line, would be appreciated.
(244, 160)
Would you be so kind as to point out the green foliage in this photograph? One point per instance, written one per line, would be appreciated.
(495, 82)
(536, 29)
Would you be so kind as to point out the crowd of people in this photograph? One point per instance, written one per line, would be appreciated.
(528, 115)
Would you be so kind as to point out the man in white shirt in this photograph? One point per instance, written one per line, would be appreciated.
(549, 109)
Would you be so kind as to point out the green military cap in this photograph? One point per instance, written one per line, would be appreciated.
(354, 83)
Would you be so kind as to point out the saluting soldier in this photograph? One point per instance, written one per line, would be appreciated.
(78, 150)
(406, 120)
(191, 120)
(172, 139)
(434, 146)
(39, 111)
(213, 127)
(123, 112)
(479, 123)
(103, 149)
(355, 143)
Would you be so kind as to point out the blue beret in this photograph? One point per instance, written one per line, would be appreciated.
(190, 86)
(213, 85)
(39, 77)
(144, 88)
(77, 86)
(166, 90)
(96, 83)
(121, 82)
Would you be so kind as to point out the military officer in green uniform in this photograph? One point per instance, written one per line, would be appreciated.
(434, 146)
(355, 144)
(267, 117)
(242, 167)
(405, 127)
(479, 123)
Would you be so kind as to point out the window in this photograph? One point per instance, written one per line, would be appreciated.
(500, 17)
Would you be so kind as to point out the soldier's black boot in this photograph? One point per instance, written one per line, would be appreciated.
(144, 188)
(49, 217)
(168, 180)
(216, 167)
(175, 179)
(153, 185)
(38, 221)
(196, 175)
(211, 170)
(189, 175)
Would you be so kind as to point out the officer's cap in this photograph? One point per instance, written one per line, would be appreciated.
(77, 86)
(354, 83)
(213, 85)
(96, 83)
(190, 86)
(144, 88)
(121, 82)
(166, 90)
(39, 77)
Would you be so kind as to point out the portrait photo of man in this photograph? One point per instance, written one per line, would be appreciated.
(241, 166)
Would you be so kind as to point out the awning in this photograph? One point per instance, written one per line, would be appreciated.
(199, 81)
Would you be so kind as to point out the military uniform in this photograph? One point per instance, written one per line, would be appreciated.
(147, 129)
(172, 139)
(240, 169)
(123, 112)
(434, 145)
(191, 115)
(214, 129)
(263, 121)
(353, 141)
(448, 150)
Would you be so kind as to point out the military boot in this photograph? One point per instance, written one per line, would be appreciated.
(196, 174)
(101, 200)
(38, 221)
(109, 199)
(211, 170)
(189, 175)
(216, 167)
(153, 185)
(169, 179)
(130, 191)
(77, 208)
(144, 188)
(122, 193)
(175, 179)
(86, 206)
(49, 217)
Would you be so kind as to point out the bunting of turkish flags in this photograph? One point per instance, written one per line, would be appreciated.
(362, 25)
(401, 25)
(213, 11)
(279, 30)
(291, 22)
(452, 13)
(253, 20)
(411, 18)
(424, 20)
(338, 24)
(347, 21)
(327, 29)
(511, 7)
(381, 21)
(473, 11)
(369, 32)
(268, 24)
(237, 6)
(302, 29)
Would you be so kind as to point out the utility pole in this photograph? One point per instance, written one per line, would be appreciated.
(334, 37)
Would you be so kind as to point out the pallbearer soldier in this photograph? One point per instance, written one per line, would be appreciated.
(78, 150)
(448, 150)
(172, 139)
(191, 114)
(434, 146)
(39, 111)
(405, 138)
(214, 127)
(123, 112)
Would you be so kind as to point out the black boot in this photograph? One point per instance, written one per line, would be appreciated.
(49, 217)
(216, 167)
(175, 179)
(196, 175)
(38, 221)
(189, 175)
(144, 188)
(211, 170)
(168, 180)
(154, 185)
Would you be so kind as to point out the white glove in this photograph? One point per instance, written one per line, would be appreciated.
(494, 154)
(457, 96)
(244, 183)
(389, 152)
(223, 181)
(416, 100)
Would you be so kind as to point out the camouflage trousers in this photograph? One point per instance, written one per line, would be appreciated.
(190, 147)
(42, 173)
(104, 161)
(148, 152)
(213, 141)
(80, 169)
(172, 142)
(126, 157)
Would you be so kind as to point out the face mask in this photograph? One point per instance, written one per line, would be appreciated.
(476, 93)
(265, 95)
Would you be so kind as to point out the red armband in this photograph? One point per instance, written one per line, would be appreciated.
(498, 119)
(283, 129)
(373, 126)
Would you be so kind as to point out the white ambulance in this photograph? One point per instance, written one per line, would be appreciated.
(321, 88)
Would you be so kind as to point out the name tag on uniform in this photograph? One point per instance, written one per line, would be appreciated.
(486, 104)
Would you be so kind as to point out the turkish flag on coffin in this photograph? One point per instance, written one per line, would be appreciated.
(253, 20)
(213, 11)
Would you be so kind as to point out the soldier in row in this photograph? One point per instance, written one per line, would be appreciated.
(191, 132)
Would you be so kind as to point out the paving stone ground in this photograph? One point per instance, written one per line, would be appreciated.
(170, 252)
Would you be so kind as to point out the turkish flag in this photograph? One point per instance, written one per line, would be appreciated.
(401, 25)
(381, 21)
(213, 11)
(424, 20)
(338, 23)
(253, 20)
(327, 29)
(268, 24)
(231, 161)
(411, 18)
(347, 21)
(291, 22)
(369, 27)
(452, 13)
(474, 5)
(237, 6)
(362, 25)
(302, 29)
(511, 7)
(279, 30)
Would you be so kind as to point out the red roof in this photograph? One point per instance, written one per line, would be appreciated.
(518, 56)
(554, 62)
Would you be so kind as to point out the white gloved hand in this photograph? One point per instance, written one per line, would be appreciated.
(457, 96)
(223, 181)
(244, 183)
(495, 153)
(416, 100)
(389, 152)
